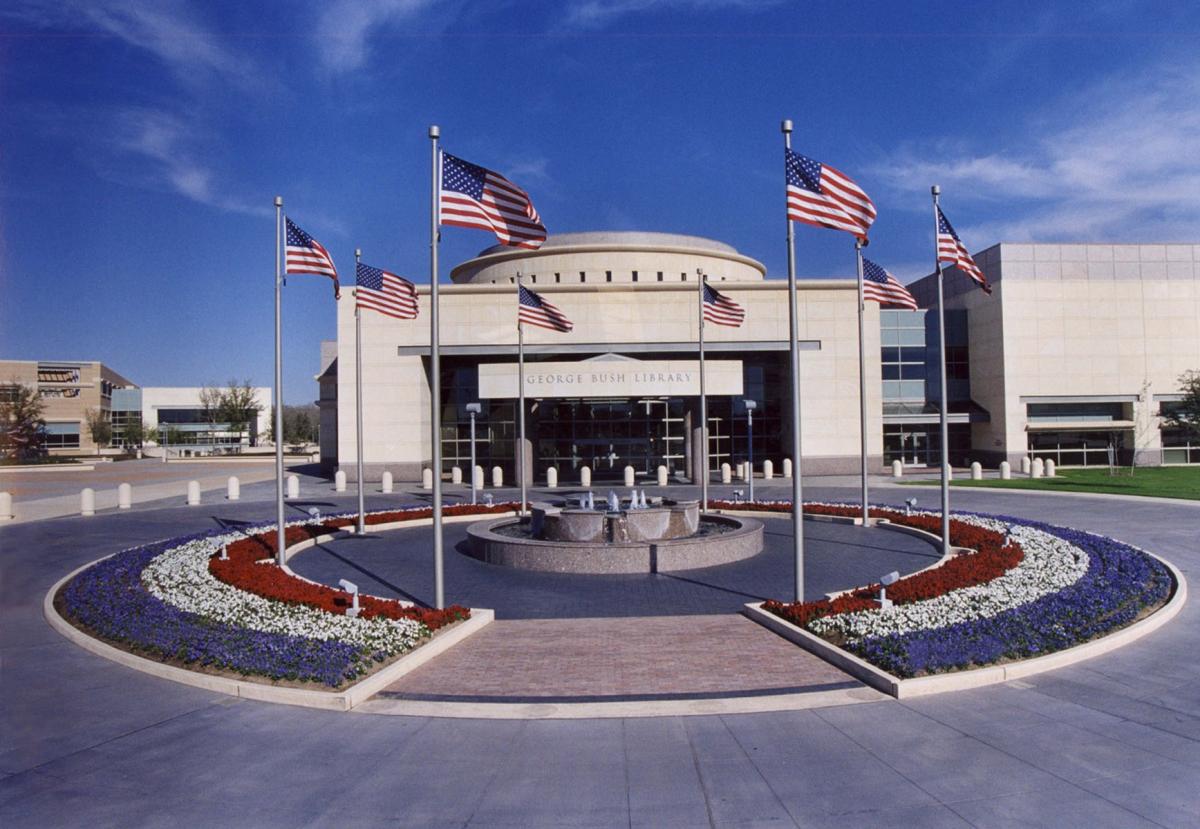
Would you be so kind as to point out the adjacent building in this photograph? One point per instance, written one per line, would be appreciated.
(1073, 357)
(72, 390)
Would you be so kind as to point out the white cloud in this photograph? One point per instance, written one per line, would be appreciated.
(595, 14)
(170, 30)
(345, 25)
(1120, 160)
(162, 145)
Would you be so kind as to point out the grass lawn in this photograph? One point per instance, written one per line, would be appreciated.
(1159, 482)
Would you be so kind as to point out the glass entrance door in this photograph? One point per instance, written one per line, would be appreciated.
(608, 435)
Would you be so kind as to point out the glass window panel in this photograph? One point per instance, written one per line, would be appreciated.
(891, 355)
(914, 389)
(911, 336)
(891, 371)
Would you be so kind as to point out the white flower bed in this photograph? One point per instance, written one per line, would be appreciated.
(180, 577)
(1049, 565)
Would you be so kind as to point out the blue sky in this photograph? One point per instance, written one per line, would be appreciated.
(142, 143)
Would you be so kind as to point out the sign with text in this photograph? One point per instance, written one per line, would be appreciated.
(612, 378)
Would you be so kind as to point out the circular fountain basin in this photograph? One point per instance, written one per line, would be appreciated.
(712, 540)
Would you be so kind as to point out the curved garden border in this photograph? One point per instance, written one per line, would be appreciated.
(342, 699)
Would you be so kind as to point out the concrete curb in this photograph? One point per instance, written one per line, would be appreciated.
(49, 467)
(732, 704)
(1054, 494)
(977, 677)
(343, 700)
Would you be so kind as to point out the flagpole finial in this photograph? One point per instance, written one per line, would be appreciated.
(435, 131)
(279, 201)
(786, 126)
(861, 242)
(357, 252)
(936, 190)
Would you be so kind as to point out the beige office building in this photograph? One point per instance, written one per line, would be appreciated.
(1078, 348)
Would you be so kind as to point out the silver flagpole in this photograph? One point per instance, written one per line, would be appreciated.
(358, 406)
(435, 377)
(280, 546)
(794, 341)
(935, 190)
(520, 397)
(862, 379)
(703, 453)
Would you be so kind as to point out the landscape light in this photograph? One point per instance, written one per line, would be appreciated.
(890, 578)
(909, 504)
(351, 588)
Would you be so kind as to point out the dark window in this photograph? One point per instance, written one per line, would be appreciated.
(608, 276)
(635, 276)
(660, 279)
(558, 277)
(582, 276)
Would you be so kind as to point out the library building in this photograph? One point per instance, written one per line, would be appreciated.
(1074, 357)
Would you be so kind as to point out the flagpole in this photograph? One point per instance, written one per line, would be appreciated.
(703, 453)
(794, 343)
(280, 535)
(520, 397)
(435, 378)
(935, 190)
(862, 379)
(358, 405)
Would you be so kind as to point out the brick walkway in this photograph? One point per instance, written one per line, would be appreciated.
(587, 660)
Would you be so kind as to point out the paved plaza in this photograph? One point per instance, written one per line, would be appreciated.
(1114, 741)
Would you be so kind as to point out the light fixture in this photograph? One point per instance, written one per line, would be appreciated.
(890, 578)
(351, 588)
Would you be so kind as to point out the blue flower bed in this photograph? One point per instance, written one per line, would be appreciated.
(110, 601)
(1119, 583)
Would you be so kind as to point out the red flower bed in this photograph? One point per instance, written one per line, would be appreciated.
(250, 567)
(994, 555)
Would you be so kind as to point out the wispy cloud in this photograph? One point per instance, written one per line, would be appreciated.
(161, 147)
(169, 30)
(345, 26)
(596, 14)
(1119, 160)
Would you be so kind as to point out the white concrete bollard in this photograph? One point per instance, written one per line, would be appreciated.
(479, 477)
(768, 470)
(193, 493)
(949, 472)
(1005, 471)
(385, 482)
(456, 475)
(233, 488)
(339, 481)
(87, 501)
(976, 471)
(630, 476)
(1026, 466)
(787, 467)
(497, 477)
(726, 473)
(124, 496)
(744, 471)
(6, 512)
(427, 478)
(585, 476)
(897, 469)
(293, 486)
(662, 475)
(552, 477)
(1037, 469)
(1049, 468)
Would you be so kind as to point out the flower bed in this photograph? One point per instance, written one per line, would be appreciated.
(250, 567)
(1029, 589)
(163, 601)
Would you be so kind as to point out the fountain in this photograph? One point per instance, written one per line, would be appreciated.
(622, 535)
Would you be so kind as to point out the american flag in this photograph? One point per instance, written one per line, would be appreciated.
(391, 295)
(304, 254)
(721, 309)
(474, 197)
(881, 286)
(819, 195)
(951, 249)
(531, 308)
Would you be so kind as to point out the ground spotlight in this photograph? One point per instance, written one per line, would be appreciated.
(351, 588)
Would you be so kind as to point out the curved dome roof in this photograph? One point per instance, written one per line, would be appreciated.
(621, 238)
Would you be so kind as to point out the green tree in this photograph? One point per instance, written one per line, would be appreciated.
(98, 427)
(1185, 414)
(133, 434)
(238, 408)
(22, 427)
